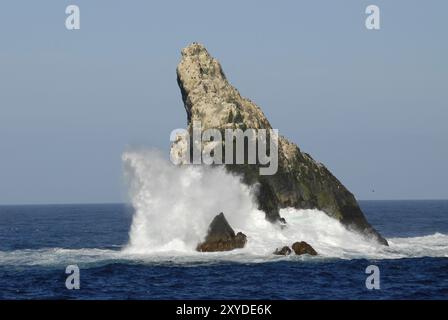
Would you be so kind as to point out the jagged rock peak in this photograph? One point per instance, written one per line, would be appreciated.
(210, 98)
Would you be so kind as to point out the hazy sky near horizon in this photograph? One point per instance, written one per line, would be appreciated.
(371, 105)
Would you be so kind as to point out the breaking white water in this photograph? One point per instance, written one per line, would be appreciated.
(175, 204)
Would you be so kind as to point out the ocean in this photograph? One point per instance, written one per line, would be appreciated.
(38, 242)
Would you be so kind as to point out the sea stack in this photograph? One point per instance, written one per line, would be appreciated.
(300, 182)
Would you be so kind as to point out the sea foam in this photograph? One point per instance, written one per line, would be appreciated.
(174, 206)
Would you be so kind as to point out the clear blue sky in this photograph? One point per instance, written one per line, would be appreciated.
(371, 105)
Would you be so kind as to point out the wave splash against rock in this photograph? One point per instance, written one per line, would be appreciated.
(300, 182)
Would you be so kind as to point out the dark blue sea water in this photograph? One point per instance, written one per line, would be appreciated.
(38, 242)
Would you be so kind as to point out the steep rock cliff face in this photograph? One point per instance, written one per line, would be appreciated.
(300, 182)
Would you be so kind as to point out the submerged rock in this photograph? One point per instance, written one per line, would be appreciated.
(285, 251)
(303, 248)
(300, 181)
(221, 237)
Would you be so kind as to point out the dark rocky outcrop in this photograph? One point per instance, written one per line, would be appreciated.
(221, 237)
(303, 248)
(300, 182)
(285, 251)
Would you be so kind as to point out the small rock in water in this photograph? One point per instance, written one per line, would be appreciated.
(282, 223)
(303, 248)
(285, 251)
(221, 237)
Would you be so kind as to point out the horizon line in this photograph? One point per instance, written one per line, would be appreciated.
(129, 203)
